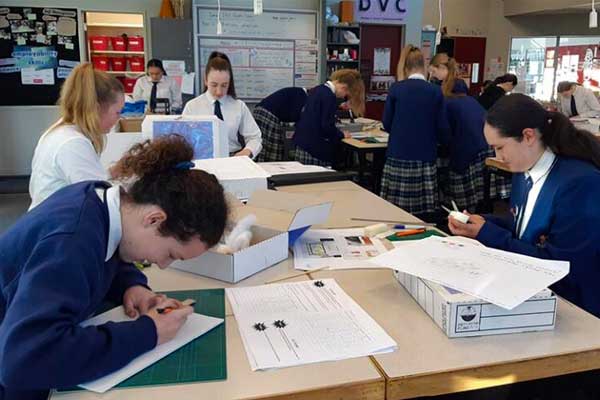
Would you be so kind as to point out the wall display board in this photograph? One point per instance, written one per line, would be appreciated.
(38, 49)
(276, 49)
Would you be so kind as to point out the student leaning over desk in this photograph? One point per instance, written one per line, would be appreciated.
(415, 117)
(554, 203)
(60, 261)
(69, 151)
(316, 137)
(219, 99)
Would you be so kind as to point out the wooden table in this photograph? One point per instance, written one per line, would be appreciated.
(362, 149)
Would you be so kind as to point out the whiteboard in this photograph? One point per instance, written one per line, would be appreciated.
(268, 52)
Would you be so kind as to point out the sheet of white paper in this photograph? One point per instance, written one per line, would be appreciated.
(290, 167)
(196, 326)
(500, 277)
(231, 168)
(289, 324)
(31, 76)
(336, 249)
(174, 67)
(187, 83)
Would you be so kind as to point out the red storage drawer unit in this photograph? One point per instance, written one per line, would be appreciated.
(128, 84)
(118, 43)
(118, 63)
(99, 43)
(136, 64)
(100, 62)
(135, 43)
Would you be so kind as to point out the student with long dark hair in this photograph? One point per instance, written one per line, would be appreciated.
(157, 85)
(61, 260)
(498, 89)
(554, 202)
(219, 99)
(415, 117)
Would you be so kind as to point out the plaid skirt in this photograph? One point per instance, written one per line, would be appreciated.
(272, 135)
(306, 158)
(411, 185)
(465, 188)
(500, 186)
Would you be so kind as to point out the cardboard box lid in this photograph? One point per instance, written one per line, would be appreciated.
(285, 211)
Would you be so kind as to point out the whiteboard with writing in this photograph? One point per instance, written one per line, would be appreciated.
(268, 52)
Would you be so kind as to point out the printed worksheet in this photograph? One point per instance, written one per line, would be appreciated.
(297, 323)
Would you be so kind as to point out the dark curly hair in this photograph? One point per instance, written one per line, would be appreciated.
(192, 199)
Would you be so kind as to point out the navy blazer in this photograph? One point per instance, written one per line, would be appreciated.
(286, 104)
(466, 118)
(316, 132)
(415, 118)
(563, 226)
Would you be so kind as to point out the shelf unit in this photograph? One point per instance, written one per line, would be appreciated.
(337, 45)
(133, 53)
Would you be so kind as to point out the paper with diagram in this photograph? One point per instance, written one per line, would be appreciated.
(500, 277)
(284, 325)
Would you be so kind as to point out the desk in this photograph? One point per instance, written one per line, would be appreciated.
(362, 149)
(428, 363)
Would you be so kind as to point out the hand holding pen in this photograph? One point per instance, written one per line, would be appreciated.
(169, 316)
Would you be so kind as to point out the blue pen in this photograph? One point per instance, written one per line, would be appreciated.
(398, 226)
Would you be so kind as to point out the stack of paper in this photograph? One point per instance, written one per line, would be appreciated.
(499, 277)
(195, 326)
(284, 325)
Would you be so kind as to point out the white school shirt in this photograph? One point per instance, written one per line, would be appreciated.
(237, 118)
(585, 101)
(62, 157)
(538, 173)
(115, 230)
(167, 88)
(417, 75)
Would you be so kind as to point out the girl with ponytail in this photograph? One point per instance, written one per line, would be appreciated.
(69, 151)
(73, 252)
(554, 201)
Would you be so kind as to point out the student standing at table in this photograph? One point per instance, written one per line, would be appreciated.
(415, 117)
(577, 101)
(219, 99)
(69, 151)
(316, 137)
(554, 202)
(282, 106)
(60, 261)
(157, 85)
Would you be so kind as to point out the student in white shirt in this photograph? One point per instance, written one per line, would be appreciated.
(166, 87)
(219, 99)
(69, 151)
(577, 101)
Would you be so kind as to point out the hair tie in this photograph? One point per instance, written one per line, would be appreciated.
(184, 165)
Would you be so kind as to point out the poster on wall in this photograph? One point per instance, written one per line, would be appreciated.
(381, 61)
(39, 47)
(390, 12)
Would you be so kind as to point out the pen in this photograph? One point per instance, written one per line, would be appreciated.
(166, 310)
(400, 226)
(410, 232)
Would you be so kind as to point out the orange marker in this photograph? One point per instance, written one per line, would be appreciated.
(409, 232)
(166, 310)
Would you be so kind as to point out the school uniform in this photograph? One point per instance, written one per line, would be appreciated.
(555, 216)
(166, 88)
(415, 118)
(490, 96)
(62, 156)
(236, 117)
(582, 103)
(58, 263)
(461, 179)
(316, 137)
(283, 106)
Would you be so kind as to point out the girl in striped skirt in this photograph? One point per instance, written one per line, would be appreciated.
(415, 118)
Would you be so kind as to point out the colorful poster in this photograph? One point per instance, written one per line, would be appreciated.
(199, 135)
(35, 57)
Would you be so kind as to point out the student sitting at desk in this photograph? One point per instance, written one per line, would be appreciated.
(285, 105)
(556, 187)
(316, 137)
(69, 151)
(415, 118)
(577, 101)
(219, 99)
(60, 261)
(157, 85)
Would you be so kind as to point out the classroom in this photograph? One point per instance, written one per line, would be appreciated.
(299, 199)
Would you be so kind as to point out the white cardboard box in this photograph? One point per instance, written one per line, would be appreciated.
(239, 176)
(280, 217)
(459, 314)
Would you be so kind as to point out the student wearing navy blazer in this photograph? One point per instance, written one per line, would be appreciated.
(282, 106)
(415, 117)
(556, 187)
(316, 137)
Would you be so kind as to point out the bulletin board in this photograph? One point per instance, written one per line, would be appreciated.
(270, 51)
(39, 46)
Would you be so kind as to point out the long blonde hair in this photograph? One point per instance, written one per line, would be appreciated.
(82, 96)
(450, 63)
(356, 88)
(411, 59)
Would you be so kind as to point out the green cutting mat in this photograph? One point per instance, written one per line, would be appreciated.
(203, 359)
(426, 234)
